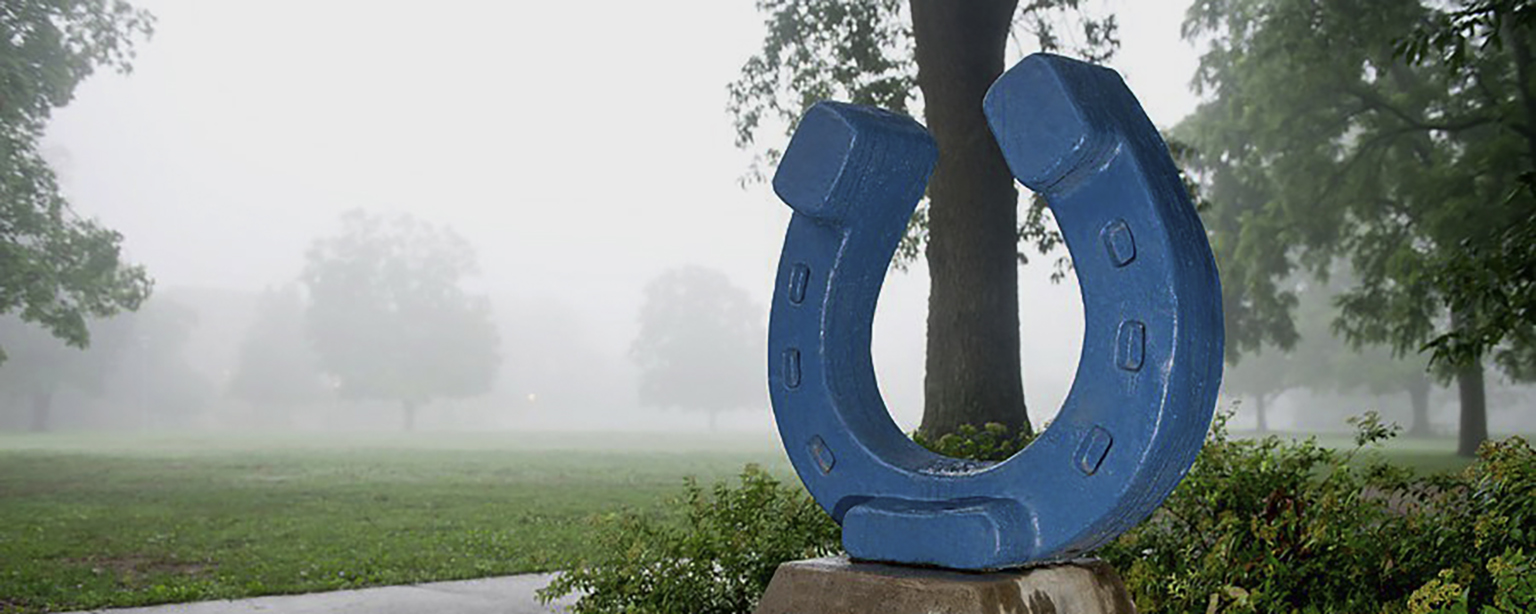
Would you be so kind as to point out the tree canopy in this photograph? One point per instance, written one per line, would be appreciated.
(864, 53)
(1321, 141)
(1496, 277)
(57, 270)
(701, 344)
(388, 315)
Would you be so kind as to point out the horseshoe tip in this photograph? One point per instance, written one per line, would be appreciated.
(838, 147)
(1051, 114)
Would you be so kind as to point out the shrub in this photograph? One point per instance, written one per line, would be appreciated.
(1514, 579)
(1272, 526)
(716, 559)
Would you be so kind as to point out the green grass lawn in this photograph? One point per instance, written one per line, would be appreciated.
(104, 521)
(99, 521)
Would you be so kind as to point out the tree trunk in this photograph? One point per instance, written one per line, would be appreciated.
(1474, 409)
(1259, 410)
(973, 368)
(1418, 395)
(42, 407)
(1473, 429)
(409, 411)
(713, 419)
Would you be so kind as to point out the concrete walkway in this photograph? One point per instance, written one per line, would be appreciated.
(504, 595)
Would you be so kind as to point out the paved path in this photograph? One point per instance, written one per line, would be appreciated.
(504, 595)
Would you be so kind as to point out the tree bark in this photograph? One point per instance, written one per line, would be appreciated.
(973, 367)
(1259, 409)
(1474, 409)
(42, 408)
(409, 415)
(1418, 396)
(1473, 429)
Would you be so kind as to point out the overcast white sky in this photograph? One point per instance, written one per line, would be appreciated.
(583, 148)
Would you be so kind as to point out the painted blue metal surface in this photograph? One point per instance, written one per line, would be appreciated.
(1146, 383)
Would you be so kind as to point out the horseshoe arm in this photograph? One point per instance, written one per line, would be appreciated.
(1153, 334)
(853, 176)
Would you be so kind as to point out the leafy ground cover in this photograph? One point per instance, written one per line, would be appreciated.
(105, 521)
(1274, 525)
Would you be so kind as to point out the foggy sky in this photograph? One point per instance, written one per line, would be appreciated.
(582, 148)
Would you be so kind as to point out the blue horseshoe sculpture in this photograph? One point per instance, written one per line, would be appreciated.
(1151, 358)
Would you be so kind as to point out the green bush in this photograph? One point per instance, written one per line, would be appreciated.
(716, 559)
(1272, 526)
(1514, 579)
(991, 442)
(1257, 526)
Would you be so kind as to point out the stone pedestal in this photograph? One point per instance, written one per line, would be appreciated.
(835, 585)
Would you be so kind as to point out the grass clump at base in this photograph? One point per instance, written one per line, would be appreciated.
(992, 442)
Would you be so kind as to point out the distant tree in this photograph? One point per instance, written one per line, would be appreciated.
(701, 344)
(41, 365)
(388, 317)
(941, 56)
(1261, 377)
(155, 373)
(56, 269)
(276, 365)
(136, 359)
(1322, 362)
(1377, 370)
(1325, 362)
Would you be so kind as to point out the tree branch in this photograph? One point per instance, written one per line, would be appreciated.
(1376, 101)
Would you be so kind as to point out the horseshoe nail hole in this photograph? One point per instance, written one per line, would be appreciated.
(799, 278)
(791, 368)
(1119, 242)
(1050, 331)
(823, 454)
(1130, 345)
(1092, 450)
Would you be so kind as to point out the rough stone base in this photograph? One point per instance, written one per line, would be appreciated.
(836, 585)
